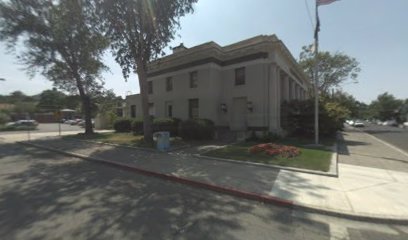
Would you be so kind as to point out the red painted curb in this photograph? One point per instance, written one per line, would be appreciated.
(209, 186)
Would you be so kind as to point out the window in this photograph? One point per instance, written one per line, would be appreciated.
(193, 79)
(150, 87)
(240, 76)
(132, 111)
(169, 109)
(193, 108)
(152, 111)
(169, 84)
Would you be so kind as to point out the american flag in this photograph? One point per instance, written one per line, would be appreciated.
(324, 2)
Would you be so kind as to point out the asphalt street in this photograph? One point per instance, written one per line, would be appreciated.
(393, 135)
(44, 195)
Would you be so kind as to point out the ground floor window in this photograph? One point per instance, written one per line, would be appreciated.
(169, 109)
(193, 108)
(132, 111)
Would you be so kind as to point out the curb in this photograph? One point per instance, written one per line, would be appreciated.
(209, 186)
(234, 192)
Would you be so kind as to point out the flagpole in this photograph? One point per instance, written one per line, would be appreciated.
(316, 80)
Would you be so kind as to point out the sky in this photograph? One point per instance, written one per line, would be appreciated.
(374, 32)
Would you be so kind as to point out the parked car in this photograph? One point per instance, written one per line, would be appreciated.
(405, 125)
(69, 121)
(390, 123)
(358, 123)
(24, 123)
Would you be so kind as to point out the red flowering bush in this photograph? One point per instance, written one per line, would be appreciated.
(273, 149)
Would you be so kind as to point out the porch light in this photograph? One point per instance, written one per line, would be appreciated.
(224, 107)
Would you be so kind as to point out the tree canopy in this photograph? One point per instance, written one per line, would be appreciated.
(139, 30)
(334, 68)
(62, 40)
(386, 107)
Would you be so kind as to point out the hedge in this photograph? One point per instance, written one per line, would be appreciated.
(197, 129)
(158, 125)
(122, 125)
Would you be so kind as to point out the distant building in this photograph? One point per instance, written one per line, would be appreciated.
(240, 86)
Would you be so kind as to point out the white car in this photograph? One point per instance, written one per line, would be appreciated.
(358, 124)
(390, 123)
(405, 125)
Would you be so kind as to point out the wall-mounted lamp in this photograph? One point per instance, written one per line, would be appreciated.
(224, 107)
(250, 106)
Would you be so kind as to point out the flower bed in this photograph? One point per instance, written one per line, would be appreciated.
(273, 149)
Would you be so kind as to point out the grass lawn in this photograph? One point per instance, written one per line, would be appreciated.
(127, 139)
(309, 158)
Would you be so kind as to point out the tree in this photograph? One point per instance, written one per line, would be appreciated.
(51, 100)
(386, 107)
(334, 69)
(62, 40)
(139, 30)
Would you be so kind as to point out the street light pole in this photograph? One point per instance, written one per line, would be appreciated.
(316, 78)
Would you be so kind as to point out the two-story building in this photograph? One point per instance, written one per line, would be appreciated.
(240, 86)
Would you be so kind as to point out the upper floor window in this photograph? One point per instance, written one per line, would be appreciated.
(193, 79)
(169, 84)
(240, 76)
(150, 87)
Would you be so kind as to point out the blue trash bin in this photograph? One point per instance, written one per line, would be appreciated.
(162, 141)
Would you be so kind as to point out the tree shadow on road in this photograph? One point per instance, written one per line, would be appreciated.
(59, 197)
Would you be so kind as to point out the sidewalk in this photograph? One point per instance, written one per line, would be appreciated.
(359, 190)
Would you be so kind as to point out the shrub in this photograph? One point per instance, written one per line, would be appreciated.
(137, 126)
(166, 124)
(4, 118)
(298, 117)
(122, 125)
(158, 125)
(197, 129)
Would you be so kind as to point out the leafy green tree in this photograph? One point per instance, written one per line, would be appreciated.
(386, 107)
(334, 68)
(51, 100)
(139, 30)
(62, 40)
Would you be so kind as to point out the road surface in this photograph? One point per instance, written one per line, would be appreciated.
(393, 135)
(44, 195)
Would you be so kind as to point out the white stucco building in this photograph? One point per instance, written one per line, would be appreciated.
(240, 86)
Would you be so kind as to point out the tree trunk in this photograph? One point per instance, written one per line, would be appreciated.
(147, 123)
(86, 105)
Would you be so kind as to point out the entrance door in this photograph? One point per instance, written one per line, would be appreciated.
(239, 111)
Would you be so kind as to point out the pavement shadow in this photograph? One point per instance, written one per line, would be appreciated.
(59, 197)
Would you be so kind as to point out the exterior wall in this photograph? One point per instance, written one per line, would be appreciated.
(268, 82)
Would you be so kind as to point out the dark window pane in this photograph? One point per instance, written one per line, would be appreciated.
(193, 108)
(133, 111)
(193, 79)
(240, 76)
(169, 84)
(150, 87)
